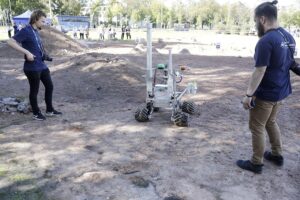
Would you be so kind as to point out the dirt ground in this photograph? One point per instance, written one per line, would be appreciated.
(98, 151)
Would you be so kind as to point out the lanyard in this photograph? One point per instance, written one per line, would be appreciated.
(38, 41)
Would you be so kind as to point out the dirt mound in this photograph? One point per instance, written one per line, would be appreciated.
(154, 50)
(8, 52)
(56, 42)
(184, 52)
(92, 57)
(160, 44)
(139, 49)
(97, 76)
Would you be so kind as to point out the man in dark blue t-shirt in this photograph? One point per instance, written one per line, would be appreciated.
(269, 85)
(34, 67)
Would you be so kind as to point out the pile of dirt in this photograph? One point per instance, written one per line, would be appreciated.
(8, 52)
(95, 76)
(58, 43)
(92, 57)
(184, 52)
(160, 44)
(139, 49)
(54, 41)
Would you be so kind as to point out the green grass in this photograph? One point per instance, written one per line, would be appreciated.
(19, 177)
(16, 190)
(33, 194)
(3, 171)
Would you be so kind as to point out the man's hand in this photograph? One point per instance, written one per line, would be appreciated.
(29, 56)
(247, 103)
(255, 80)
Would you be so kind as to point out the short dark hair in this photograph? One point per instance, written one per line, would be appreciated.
(267, 9)
(36, 15)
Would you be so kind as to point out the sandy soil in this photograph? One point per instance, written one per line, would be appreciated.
(97, 151)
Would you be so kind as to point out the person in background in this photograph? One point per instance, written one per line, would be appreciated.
(87, 33)
(9, 29)
(114, 33)
(123, 30)
(74, 33)
(81, 34)
(15, 27)
(109, 32)
(102, 32)
(128, 35)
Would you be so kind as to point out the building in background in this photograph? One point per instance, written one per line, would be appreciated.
(70, 23)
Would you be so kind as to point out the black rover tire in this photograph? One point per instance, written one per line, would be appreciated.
(142, 114)
(181, 119)
(188, 107)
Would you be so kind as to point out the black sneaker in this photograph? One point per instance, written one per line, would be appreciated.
(277, 160)
(53, 113)
(248, 165)
(39, 117)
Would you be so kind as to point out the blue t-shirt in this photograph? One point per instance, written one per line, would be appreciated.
(30, 40)
(273, 51)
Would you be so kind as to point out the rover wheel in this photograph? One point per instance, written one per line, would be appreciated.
(181, 119)
(188, 107)
(142, 114)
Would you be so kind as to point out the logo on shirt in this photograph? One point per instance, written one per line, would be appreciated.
(287, 45)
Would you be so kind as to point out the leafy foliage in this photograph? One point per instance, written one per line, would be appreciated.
(201, 13)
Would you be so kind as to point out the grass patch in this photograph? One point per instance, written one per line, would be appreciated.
(19, 177)
(23, 187)
(33, 194)
(3, 171)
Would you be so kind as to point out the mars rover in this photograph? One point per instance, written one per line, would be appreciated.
(164, 94)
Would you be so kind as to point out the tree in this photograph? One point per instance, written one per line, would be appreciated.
(20, 6)
(116, 9)
(66, 7)
(95, 12)
(171, 16)
(239, 18)
(289, 17)
(193, 13)
(296, 18)
(139, 10)
(158, 10)
(207, 11)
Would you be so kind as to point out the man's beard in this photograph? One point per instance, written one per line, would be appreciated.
(260, 30)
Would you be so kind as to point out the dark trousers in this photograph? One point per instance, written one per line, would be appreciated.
(81, 36)
(34, 79)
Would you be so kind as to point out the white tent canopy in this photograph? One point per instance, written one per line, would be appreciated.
(23, 18)
(24, 15)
